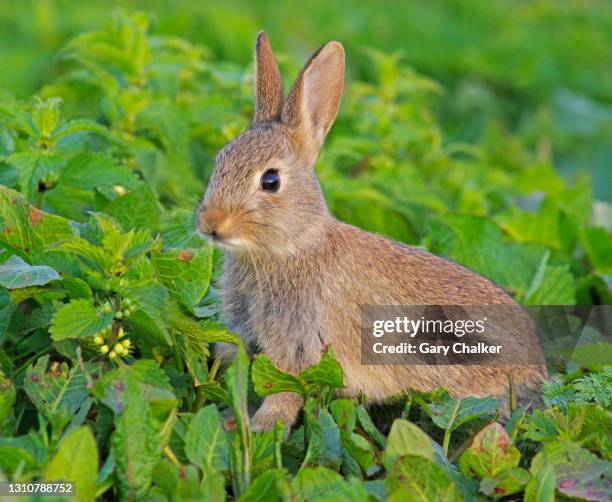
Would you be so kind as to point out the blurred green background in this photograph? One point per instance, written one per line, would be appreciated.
(541, 70)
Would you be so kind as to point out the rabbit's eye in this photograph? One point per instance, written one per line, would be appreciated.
(270, 180)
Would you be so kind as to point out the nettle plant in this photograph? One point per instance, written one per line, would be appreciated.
(108, 305)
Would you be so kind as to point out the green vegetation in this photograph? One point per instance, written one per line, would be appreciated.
(108, 303)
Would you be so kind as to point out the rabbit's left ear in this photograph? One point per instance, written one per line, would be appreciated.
(312, 104)
(268, 82)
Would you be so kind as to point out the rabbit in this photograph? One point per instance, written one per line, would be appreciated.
(294, 277)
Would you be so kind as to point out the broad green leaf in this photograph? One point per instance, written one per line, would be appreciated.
(136, 209)
(324, 445)
(554, 287)
(270, 486)
(578, 472)
(326, 373)
(90, 170)
(25, 228)
(405, 438)
(32, 168)
(78, 319)
(366, 423)
(541, 488)
(151, 317)
(136, 445)
(597, 244)
(205, 441)
(322, 484)
(478, 244)
(490, 454)
(449, 413)
(16, 273)
(237, 381)
(57, 392)
(148, 377)
(506, 483)
(267, 379)
(186, 273)
(76, 460)
(416, 478)
(214, 392)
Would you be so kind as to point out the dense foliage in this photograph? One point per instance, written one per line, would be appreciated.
(108, 302)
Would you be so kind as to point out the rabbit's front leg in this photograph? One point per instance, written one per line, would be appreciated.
(283, 406)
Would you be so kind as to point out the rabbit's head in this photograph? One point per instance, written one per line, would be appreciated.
(263, 194)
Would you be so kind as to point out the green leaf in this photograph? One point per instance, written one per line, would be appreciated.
(136, 446)
(478, 244)
(16, 273)
(32, 168)
(186, 273)
(270, 486)
(76, 460)
(416, 478)
(78, 319)
(597, 244)
(490, 453)
(449, 413)
(5, 312)
(57, 393)
(136, 209)
(88, 171)
(326, 373)
(237, 380)
(151, 317)
(554, 287)
(405, 438)
(366, 423)
(578, 472)
(322, 484)
(506, 483)
(324, 446)
(205, 441)
(267, 379)
(7, 401)
(25, 228)
(541, 488)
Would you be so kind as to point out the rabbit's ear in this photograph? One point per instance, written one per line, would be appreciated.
(313, 101)
(268, 82)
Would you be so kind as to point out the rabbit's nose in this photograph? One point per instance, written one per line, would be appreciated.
(210, 220)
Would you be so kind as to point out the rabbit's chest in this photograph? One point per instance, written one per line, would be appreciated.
(270, 306)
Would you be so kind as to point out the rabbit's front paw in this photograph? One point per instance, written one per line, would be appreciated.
(284, 406)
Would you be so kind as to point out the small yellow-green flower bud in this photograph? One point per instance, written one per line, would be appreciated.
(104, 349)
(99, 340)
(112, 354)
(126, 343)
(118, 348)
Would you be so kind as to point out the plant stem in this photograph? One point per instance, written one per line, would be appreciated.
(40, 199)
(171, 456)
(446, 442)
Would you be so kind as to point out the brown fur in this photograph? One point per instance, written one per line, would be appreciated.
(294, 277)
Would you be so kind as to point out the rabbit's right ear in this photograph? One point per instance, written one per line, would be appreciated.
(312, 104)
(268, 82)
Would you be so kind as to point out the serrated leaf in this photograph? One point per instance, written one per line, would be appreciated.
(267, 379)
(323, 484)
(205, 441)
(405, 438)
(78, 319)
(90, 170)
(416, 478)
(186, 273)
(7, 401)
(137, 209)
(324, 445)
(326, 373)
(80, 445)
(506, 483)
(555, 287)
(16, 273)
(26, 228)
(5, 312)
(57, 392)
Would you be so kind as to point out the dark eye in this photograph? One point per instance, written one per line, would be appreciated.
(270, 180)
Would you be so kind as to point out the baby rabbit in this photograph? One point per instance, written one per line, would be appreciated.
(295, 277)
